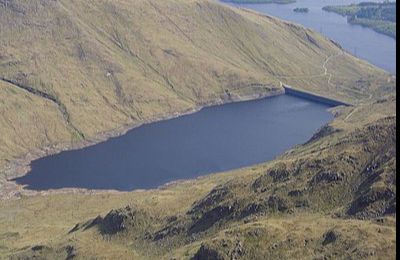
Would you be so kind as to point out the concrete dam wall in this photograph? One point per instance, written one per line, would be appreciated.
(306, 95)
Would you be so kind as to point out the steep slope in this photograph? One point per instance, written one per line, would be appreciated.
(72, 71)
(332, 197)
(100, 67)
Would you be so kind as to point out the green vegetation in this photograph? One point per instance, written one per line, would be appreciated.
(260, 1)
(76, 72)
(301, 10)
(379, 16)
(384, 27)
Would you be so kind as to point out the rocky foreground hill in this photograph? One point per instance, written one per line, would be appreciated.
(74, 72)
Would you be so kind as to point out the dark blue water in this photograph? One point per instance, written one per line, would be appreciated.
(215, 139)
(362, 42)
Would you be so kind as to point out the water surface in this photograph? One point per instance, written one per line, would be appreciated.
(214, 139)
(362, 42)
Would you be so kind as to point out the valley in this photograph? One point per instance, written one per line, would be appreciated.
(77, 73)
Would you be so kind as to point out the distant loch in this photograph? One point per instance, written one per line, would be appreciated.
(362, 42)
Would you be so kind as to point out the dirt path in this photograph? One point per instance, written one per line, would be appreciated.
(356, 108)
(330, 76)
(326, 69)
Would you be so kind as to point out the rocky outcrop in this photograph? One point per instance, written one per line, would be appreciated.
(207, 253)
(113, 222)
(71, 253)
(216, 195)
(276, 203)
(295, 193)
(327, 177)
(329, 237)
(323, 132)
(173, 229)
(209, 218)
(116, 221)
(278, 173)
(38, 247)
(66, 252)
(272, 204)
(373, 203)
(221, 249)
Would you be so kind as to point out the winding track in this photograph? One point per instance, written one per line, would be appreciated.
(326, 73)
(326, 69)
(330, 75)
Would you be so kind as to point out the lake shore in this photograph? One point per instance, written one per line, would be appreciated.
(19, 167)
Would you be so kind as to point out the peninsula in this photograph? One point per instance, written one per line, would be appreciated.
(381, 17)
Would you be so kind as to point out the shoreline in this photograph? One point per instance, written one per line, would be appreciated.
(19, 167)
(360, 22)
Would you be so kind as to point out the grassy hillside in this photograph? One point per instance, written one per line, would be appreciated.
(103, 66)
(75, 72)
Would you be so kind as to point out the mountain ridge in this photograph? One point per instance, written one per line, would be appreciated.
(118, 64)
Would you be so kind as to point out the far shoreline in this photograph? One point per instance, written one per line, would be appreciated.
(278, 2)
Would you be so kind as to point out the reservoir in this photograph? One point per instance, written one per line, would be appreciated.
(215, 139)
(362, 42)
